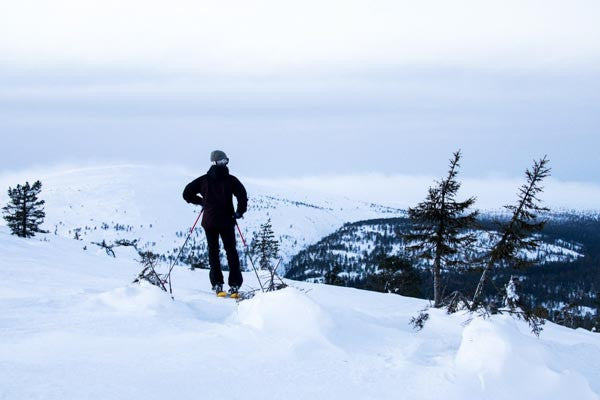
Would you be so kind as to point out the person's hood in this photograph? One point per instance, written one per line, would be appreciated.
(218, 172)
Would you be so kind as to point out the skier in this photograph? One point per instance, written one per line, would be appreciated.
(214, 192)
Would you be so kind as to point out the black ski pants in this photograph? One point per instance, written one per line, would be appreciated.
(227, 234)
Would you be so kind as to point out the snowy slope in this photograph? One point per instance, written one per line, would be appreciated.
(72, 328)
(145, 203)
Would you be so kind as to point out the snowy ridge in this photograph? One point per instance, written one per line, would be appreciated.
(72, 328)
(145, 203)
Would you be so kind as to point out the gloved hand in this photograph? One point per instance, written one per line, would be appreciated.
(238, 215)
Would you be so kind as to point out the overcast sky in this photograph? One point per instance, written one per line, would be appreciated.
(303, 88)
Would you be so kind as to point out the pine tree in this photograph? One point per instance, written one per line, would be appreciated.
(440, 226)
(265, 246)
(517, 233)
(25, 213)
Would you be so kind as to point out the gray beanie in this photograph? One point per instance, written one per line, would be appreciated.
(219, 156)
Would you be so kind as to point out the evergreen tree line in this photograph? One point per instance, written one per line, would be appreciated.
(439, 233)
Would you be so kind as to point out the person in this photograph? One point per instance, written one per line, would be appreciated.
(214, 192)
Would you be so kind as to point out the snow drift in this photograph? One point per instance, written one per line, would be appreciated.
(72, 328)
(512, 364)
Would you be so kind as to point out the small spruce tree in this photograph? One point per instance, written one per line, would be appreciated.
(24, 212)
(440, 226)
(265, 246)
(517, 233)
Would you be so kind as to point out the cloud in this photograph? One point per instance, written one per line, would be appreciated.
(265, 35)
(354, 86)
(398, 190)
(407, 190)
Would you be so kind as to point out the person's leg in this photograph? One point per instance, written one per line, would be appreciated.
(233, 259)
(212, 240)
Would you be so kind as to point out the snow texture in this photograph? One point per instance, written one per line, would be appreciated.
(72, 328)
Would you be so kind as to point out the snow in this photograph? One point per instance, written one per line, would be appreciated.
(71, 327)
(147, 202)
(512, 296)
(301, 315)
(513, 365)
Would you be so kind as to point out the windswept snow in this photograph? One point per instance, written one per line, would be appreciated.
(71, 327)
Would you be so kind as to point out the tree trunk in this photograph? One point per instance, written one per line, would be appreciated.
(481, 284)
(437, 281)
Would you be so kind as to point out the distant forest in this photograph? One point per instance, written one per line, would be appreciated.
(566, 291)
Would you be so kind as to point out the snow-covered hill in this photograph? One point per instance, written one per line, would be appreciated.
(357, 249)
(72, 328)
(145, 203)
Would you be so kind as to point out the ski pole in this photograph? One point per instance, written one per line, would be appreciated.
(248, 257)
(181, 251)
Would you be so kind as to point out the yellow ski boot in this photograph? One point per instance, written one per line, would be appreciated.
(234, 292)
(219, 291)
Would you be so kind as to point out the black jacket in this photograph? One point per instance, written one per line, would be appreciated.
(214, 192)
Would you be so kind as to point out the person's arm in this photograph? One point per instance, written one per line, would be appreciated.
(192, 191)
(239, 191)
